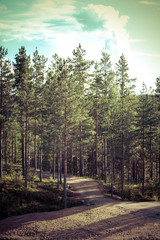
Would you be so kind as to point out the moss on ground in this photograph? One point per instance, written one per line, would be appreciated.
(133, 192)
(43, 196)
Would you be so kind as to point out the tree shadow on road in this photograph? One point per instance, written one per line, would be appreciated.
(106, 219)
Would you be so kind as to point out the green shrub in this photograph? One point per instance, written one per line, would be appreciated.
(15, 199)
(134, 192)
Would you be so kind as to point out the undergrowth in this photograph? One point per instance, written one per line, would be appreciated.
(133, 192)
(15, 199)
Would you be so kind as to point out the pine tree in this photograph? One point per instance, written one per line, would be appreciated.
(80, 73)
(96, 88)
(58, 99)
(142, 124)
(54, 95)
(152, 121)
(157, 96)
(5, 97)
(125, 87)
(106, 102)
(38, 76)
(23, 85)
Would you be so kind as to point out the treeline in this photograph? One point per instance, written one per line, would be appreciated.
(78, 117)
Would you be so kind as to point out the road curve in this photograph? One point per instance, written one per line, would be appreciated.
(100, 218)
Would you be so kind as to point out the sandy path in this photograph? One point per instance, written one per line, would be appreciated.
(106, 219)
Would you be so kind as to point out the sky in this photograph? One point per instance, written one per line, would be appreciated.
(130, 27)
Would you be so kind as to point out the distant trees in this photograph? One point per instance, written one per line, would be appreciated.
(6, 77)
(23, 86)
(125, 86)
(157, 98)
(38, 77)
(81, 80)
(79, 117)
(109, 92)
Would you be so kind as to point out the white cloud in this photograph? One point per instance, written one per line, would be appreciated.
(146, 54)
(115, 27)
(35, 22)
(64, 43)
(50, 9)
(4, 25)
(114, 33)
(149, 3)
(137, 40)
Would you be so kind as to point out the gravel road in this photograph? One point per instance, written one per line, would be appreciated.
(101, 218)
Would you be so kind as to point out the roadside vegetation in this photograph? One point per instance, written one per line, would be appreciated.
(132, 192)
(74, 116)
(47, 195)
(16, 199)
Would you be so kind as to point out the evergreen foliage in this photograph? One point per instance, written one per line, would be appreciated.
(78, 117)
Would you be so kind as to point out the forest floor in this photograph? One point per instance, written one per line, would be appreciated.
(99, 218)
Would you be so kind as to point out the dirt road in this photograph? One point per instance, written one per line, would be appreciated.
(101, 218)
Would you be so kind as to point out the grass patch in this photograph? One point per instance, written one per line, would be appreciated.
(44, 196)
(133, 192)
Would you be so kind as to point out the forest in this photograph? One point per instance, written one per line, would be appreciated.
(78, 117)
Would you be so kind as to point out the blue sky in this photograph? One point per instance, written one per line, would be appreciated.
(130, 27)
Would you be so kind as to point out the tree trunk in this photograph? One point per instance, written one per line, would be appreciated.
(12, 148)
(136, 171)
(122, 149)
(26, 152)
(15, 150)
(6, 149)
(65, 169)
(96, 141)
(23, 152)
(102, 163)
(151, 157)
(35, 146)
(1, 149)
(128, 170)
(1, 122)
(81, 159)
(71, 170)
(114, 157)
(41, 157)
(122, 168)
(58, 163)
(77, 164)
(29, 149)
(40, 173)
(41, 149)
(65, 149)
(111, 169)
(133, 171)
(143, 161)
(105, 159)
(159, 162)
(60, 160)
(53, 166)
